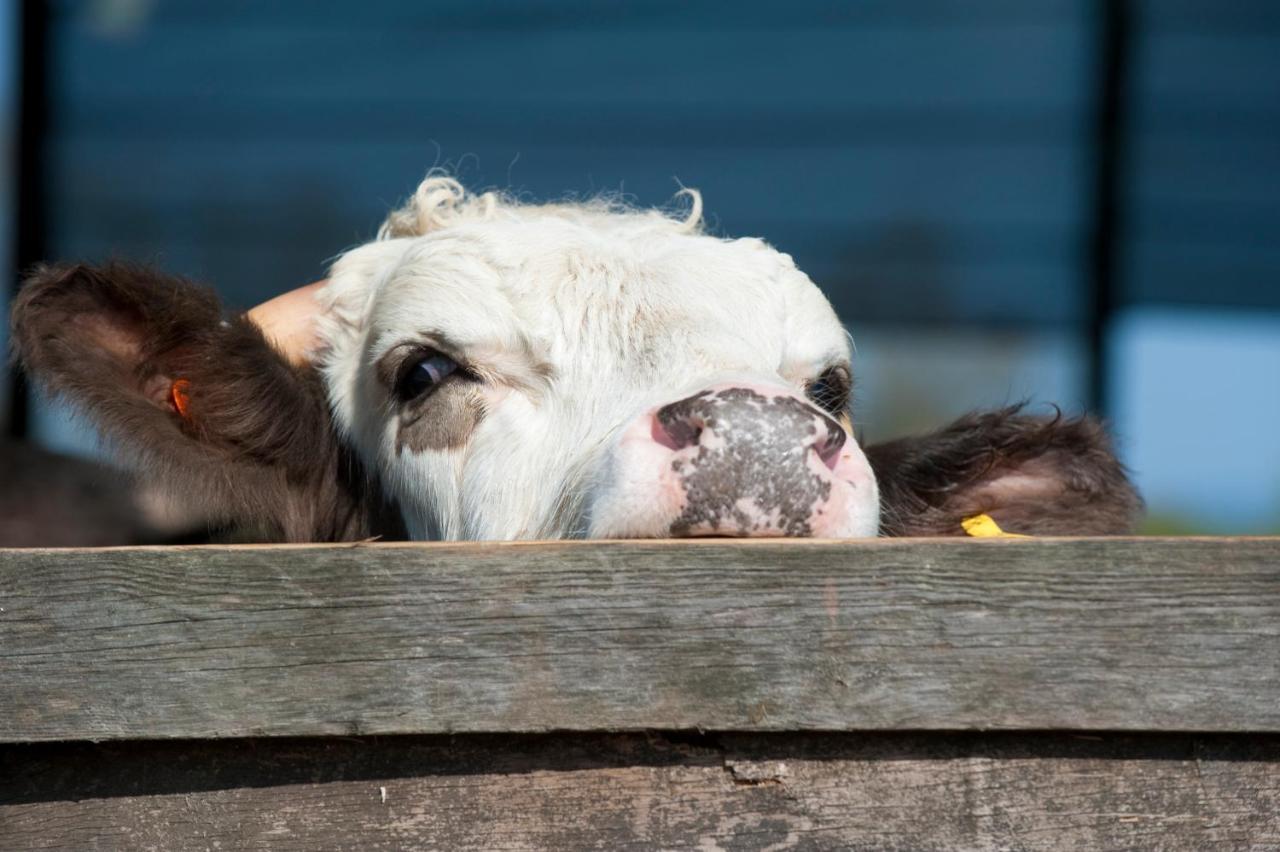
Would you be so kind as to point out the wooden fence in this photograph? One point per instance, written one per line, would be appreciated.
(911, 694)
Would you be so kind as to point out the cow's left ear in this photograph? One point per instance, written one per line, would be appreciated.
(1033, 475)
(197, 400)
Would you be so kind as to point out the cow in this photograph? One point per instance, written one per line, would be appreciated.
(50, 499)
(487, 369)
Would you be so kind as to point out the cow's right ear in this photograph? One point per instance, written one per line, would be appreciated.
(1035, 475)
(194, 399)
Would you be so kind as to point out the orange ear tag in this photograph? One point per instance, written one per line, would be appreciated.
(180, 398)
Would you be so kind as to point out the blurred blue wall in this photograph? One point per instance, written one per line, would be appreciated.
(923, 160)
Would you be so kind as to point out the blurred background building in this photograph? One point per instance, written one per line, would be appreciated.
(1074, 201)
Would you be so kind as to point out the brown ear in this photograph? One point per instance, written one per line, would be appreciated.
(1036, 476)
(194, 400)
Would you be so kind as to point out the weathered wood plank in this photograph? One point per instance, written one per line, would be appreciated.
(809, 791)
(1177, 635)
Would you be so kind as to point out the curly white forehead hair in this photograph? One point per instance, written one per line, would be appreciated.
(441, 201)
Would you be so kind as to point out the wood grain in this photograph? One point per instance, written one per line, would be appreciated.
(1123, 634)
(615, 792)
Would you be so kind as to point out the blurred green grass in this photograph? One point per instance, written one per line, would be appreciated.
(1173, 524)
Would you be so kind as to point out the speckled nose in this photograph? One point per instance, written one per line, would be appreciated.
(731, 414)
(750, 460)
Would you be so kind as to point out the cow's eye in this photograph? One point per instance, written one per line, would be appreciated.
(425, 375)
(830, 391)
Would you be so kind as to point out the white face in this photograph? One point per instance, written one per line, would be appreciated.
(513, 375)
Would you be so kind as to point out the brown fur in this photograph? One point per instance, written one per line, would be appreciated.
(258, 447)
(1038, 476)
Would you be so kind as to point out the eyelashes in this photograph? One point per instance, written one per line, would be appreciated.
(423, 375)
(830, 390)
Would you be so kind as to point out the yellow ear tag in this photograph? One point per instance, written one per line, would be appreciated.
(985, 526)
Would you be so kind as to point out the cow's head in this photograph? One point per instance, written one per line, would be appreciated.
(518, 371)
(530, 371)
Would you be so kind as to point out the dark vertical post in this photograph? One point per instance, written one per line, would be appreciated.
(1114, 36)
(29, 169)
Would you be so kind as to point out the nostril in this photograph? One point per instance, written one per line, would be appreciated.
(675, 430)
(829, 445)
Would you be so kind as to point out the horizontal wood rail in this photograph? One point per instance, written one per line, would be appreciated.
(751, 636)
(806, 791)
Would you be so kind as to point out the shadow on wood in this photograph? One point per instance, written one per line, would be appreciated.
(816, 791)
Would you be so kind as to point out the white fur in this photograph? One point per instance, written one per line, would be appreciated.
(580, 317)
